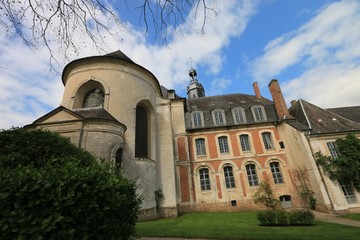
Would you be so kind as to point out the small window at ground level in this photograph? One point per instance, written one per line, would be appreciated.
(282, 145)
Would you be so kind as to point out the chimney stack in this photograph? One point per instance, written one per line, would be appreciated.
(279, 101)
(293, 102)
(256, 90)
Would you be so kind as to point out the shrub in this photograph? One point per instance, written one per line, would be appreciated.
(65, 195)
(273, 218)
(301, 217)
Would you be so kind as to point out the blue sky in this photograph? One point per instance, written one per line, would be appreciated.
(311, 47)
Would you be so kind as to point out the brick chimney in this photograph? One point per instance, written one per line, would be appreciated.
(279, 101)
(256, 90)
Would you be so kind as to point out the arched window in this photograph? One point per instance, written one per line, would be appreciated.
(276, 172)
(252, 175)
(94, 98)
(229, 177)
(267, 140)
(141, 132)
(200, 147)
(204, 179)
(239, 115)
(118, 158)
(223, 144)
(245, 143)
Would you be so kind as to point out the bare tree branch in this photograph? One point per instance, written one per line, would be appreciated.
(62, 25)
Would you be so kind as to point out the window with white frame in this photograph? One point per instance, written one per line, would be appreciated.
(204, 179)
(348, 191)
(334, 152)
(200, 147)
(259, 114)
(197, 119)
(223, 144)
(252, 175)
(229, 177)
(218, 117)
(276, 172)
(239, 115)
(245, 143)
(267, 140)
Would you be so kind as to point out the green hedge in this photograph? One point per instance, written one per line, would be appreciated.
(283, 218)
(69, 196)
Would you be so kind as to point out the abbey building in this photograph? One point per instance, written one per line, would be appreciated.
(203, 153)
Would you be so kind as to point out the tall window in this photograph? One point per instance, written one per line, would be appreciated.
(258, 113)
(229, 177)
(268, 144)
(200, 147)
(252, 175)
(141, 133)
(239, 115)
(334, 152)
(245, 143)
(348, 192)
(276, 172)
(94, 98)
(218, 116)
(197, 119)
(223, 144)
(204, 179)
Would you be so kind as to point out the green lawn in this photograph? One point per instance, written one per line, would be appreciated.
(352, 216)
(238, 225)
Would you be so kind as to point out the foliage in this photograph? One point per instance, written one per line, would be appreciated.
(303, 183)
(53, 190)
(301, 217)
(283, 218)
(158, 197)
(347, 166)
(273, 218)
(238, 225)
(265, 195)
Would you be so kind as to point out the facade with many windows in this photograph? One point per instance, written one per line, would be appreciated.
(204, 153)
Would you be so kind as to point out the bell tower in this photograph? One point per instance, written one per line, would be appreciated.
(195, 89)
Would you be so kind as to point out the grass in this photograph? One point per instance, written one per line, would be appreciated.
(352, 216)
(238, 225)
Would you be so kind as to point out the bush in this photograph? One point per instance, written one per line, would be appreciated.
(54, 195)
(273, 218)
(301, 217)
(283, 218)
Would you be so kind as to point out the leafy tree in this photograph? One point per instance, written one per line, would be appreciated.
(346, 167)
(50, 189)
(265, 195)
(45, 22)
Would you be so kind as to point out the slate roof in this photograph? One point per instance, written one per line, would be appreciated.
(95, 113)
(120, 55)
(352, 113)
(319, 120)
(227, 102)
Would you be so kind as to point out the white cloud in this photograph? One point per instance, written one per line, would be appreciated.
(219, 85)
(328, 50)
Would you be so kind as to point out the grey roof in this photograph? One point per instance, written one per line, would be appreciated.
(227, 102)
(352, 113)
(320, 120)
(120, 55)
(95, 113)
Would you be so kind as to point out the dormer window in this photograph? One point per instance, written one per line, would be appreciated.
(218, 117)
(239, 115)
(259, 114)
(197, 119)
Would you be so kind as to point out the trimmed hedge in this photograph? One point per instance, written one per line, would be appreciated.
(283, 218)
(62, 196)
